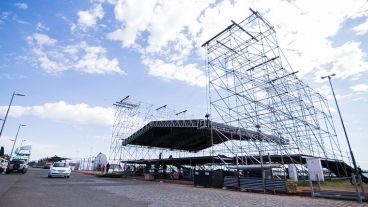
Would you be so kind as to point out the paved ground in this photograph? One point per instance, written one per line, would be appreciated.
(34, 189)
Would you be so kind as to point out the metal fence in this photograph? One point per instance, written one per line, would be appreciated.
(250, 183)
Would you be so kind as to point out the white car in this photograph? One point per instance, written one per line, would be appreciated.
(59, 169)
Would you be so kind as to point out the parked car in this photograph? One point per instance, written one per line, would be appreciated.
(3, 164)
(59, 169)
(17, 166)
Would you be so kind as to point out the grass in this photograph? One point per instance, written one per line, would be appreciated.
(341, 183)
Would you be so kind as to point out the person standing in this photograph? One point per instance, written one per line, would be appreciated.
(103, 169)
(107, 167)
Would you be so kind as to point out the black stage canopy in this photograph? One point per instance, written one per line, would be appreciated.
(192, 135)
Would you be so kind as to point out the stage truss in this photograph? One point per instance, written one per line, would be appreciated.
(252, 86)
(130, 116)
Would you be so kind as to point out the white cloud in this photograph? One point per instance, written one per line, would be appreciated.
(349, 60)
(344, 98)
(41, 27)
(324, 90)
(171, 26)
(171, 19)
(360, 88)
(78, 113)
(66, 113)
(136, 18)
(22, 6)
(304, 30)
(41, 150)
(89, 18)
(187, 73)
(362, 28)
(164, 21)
(360, 99)
(215, 19)
(49, 65)
(127, 38)
(41, 39)
(51, 61)
(81, 57)
(94, 61)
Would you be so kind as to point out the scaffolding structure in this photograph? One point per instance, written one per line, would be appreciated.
(252, 86)
(130, 116)
(258, 109)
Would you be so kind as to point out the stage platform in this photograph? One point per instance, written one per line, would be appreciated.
(193, 135)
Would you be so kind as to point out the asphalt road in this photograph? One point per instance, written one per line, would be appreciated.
(34, 189)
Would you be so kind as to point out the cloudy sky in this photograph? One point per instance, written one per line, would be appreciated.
(73, 59)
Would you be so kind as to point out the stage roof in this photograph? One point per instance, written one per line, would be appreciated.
(192, 135)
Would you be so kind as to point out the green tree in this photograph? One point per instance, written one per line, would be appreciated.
(1, 151)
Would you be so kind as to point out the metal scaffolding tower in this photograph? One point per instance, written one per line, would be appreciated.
(252, 86)
(258, 109)
(130, 116)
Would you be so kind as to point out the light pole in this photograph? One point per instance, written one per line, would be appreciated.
(342, 122)
(15, 140)
(355, 174)
(7, 112)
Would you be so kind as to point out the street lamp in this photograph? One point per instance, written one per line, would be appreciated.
(15, 140)
(342, 122)
(6, 115)
(355, 172)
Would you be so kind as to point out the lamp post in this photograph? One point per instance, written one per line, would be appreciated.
(15, 140)
(355, 174)
(342, 121)
(7, 112)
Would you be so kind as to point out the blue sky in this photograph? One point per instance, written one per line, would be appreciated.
(73, 59)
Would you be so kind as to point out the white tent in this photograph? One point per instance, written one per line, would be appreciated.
(100, 160)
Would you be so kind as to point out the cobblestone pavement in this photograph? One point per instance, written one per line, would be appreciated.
(162, 194)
